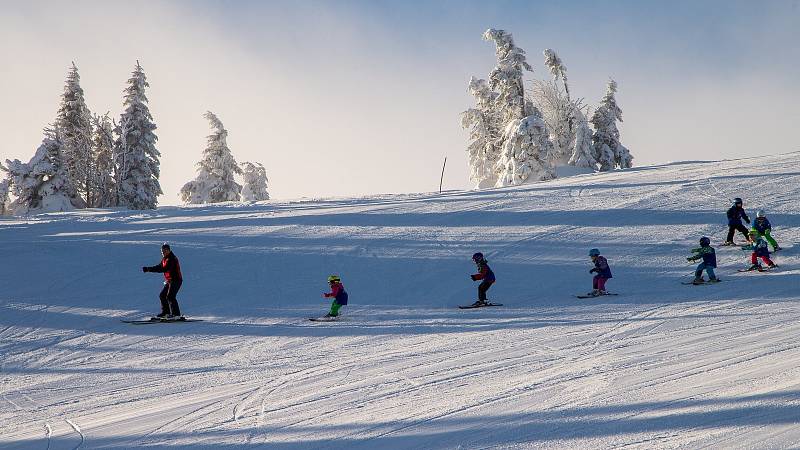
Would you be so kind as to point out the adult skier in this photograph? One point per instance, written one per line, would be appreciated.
(603, 273)
(338, 294)
(764, 229)
(708, 255)
(173, 279)
(484, 274)
(735, 215)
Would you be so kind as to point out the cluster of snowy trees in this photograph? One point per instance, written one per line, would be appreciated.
(86, 160)
(215, 181)
(90, 161)
(518, 136)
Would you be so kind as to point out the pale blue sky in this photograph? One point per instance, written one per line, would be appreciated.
(340, 98)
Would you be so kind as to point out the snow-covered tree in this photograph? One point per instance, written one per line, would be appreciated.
(525, 152)
(103, 155)
(484, 133)
(526, 148)
(557, 67)
(135, 155)
(74, 125)
(254, 188)
(215, 173)
(558, 113)
(42, 184)
(583, 151)
(5, 190)
(609, 152)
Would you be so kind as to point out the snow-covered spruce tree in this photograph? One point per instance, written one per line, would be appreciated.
(254, 188)
(526, 152)
(135, 154)
(609, 152)
(485, 131)
(557, 67)
(526, 148)
(75, 128)
(5, 189)
(215, 173)
(42, 184)
(583, 151)
(103, 155)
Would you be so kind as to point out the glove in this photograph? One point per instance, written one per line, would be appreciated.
(144, 269)
(472, 277)
(592, 270)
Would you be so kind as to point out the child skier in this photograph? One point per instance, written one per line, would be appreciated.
(173, 279)
(764, 229)
(485, 274)
(603, 273)
(338, 294)
(735, 215)
(760, 250)
(709, 256)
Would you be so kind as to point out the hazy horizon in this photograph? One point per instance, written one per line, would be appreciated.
(354, 98)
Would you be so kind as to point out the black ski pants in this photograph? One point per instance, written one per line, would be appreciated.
(169, 302)
(482, 288)
(733, 228)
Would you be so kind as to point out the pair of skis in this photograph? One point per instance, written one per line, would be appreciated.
(180, 319)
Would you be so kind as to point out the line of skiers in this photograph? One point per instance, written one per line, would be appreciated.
(759, 238)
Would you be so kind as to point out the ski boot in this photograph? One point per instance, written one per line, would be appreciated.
(713, 280)
(772, 266)
(756, 267)
(698, 280)
(479, 303)
(728, 243)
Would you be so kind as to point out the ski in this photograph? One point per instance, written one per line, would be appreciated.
(689, 283)
(157, 320)
(595, 296)
(473, 306)
(758, 270)
(323, 319)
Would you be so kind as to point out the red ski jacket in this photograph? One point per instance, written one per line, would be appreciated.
(170, 267)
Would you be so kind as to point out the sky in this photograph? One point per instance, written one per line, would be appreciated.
(341, 98)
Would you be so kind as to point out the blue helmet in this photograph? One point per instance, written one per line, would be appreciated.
(705, 242)
(594, 252)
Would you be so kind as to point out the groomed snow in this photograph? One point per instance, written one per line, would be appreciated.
(661, 365)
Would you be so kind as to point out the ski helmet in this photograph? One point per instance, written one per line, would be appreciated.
(594, 252)
(737, 201)
(165, 246)
(334, 278)
(705, 242)
(761, 213)
(477, 256)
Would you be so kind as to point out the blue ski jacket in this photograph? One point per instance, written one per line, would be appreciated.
(708, 254)
(601, 267)
(759, 247)
(736, 214)
(761, 225)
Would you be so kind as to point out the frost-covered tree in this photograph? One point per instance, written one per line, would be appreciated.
(526, 151)
(558, 113)
(75, 128)
(485, 132)
(254, 188)
(135, 155)
(583, 151)
(215, 180)
(557, 68)
(5, 190)
(42, 184)
(506, 77)
(103, 155)
(609, 152)
(526, 148)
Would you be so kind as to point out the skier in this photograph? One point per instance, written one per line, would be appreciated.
(764, 228)
(760, 250)
(171, 268)
(735, 215)
(338, 294)
(603, 273)
(709, 256)
(485, 274)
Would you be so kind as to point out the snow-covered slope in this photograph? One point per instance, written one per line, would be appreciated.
(661, 365)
